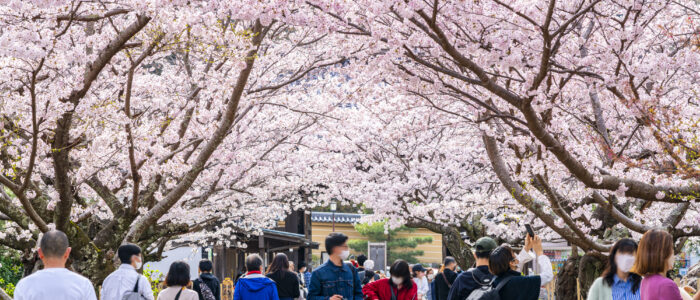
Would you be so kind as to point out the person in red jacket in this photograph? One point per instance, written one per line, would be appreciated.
(400, 285)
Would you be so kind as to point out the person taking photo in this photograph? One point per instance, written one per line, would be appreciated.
(505, 265)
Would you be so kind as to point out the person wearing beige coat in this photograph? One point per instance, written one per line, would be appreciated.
(176, 280)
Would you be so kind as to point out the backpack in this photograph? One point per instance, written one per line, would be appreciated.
(133, 294)
(488, 292)
(204, 289)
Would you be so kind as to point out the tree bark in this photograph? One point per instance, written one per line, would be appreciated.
(566, 279)
(459, 250)
(586, 268)
(452, 239)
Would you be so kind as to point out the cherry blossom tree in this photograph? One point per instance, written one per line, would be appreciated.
(414, 168)
(151, 121)
(587, 110)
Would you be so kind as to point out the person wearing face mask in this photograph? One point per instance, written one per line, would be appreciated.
(505, 265)
(126, 278)
(617, 283)
(335, 280)
(654, 258)
(399, 287)
(431, 284)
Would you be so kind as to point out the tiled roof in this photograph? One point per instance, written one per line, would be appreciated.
(327, 217)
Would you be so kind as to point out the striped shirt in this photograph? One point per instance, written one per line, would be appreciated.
(622, 290)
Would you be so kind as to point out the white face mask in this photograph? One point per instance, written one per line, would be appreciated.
(138, 263)
(396, 280)
(624, 262)
(431, 276)
(345, 254)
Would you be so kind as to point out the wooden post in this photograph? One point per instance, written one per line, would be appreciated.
(578, 289)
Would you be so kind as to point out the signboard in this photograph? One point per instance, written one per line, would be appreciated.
(377, 253)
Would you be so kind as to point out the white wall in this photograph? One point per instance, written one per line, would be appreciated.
(191, 256)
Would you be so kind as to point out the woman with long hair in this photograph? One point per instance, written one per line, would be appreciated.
(617, 283)
(505, 264)
(287, 282)
(177, 279)
(654, 258)
(399, 287)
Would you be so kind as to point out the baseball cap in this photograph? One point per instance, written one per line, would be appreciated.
(485, 244)
(418, 268)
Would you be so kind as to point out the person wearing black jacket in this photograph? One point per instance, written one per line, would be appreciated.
(444, 280)
(365, 270)
(287, 282)
(477, 277)
(211, 282)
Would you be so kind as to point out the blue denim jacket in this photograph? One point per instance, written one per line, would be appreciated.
(329, 279)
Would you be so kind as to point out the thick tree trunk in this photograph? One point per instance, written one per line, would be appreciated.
(566, 280)
(95, 267)
(452, 239)
(459, 250)
(586, 268)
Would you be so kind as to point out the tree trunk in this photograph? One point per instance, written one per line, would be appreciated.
(452, 239)
(459, 250)
(586, 269)
(566, 279)
(95, 267)
(591, 267)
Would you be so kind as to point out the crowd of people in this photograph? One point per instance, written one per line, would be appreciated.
(634, 271)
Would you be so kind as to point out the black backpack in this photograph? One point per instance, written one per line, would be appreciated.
(488, 292)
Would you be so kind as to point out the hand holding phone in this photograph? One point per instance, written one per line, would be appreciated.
(530, 232)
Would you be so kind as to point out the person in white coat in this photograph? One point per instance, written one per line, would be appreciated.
(421, 281)
(126, 278)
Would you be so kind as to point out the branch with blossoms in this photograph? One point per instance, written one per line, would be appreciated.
(556, 85)
(130, 123)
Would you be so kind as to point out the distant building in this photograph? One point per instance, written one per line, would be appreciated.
(322, 226)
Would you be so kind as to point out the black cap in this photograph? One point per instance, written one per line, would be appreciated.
(418, 268)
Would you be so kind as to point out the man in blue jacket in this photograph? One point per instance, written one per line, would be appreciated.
(254, 285)
(335, 280)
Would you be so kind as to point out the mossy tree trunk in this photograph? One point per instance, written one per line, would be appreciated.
(584, 268)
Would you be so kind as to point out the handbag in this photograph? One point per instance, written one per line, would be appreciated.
(207, 294)
(177, 297)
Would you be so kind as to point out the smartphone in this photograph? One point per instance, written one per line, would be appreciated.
(529, 230)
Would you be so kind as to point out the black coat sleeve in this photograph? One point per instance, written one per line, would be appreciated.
(295, 283)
